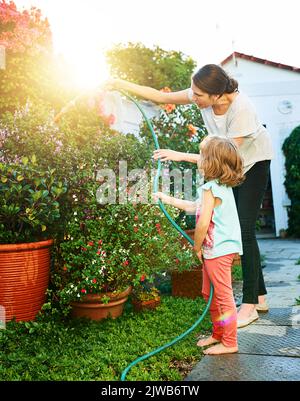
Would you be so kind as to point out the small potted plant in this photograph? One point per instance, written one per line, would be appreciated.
(96, 277)
(145, 296)
(29, 212)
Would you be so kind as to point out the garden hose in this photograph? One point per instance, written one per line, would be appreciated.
(183, 233)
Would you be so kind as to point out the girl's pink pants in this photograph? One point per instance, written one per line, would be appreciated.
(223, 310)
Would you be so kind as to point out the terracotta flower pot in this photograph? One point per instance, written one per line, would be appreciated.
(92, 307)
(24, 278)
(142, 305)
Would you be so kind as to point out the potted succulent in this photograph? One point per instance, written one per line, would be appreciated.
(29, 211)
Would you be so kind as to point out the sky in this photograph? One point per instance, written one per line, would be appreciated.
(208, 31)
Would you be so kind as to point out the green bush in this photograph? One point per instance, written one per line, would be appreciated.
(151, 67)
(29, 202)
(291, 150)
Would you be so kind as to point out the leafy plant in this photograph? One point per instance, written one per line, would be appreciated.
(29, 201)
(291, 150)
(145, 290)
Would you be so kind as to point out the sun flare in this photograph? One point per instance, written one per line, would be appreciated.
(88, 67)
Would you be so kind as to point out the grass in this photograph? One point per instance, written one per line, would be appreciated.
(237, 274)
(79, 349)
(298, 262)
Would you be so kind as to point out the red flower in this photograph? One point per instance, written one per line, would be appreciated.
(135, 218)
(126, 263)
(135, 229)
(143, 277)
(84, 249)
(98, 252)
(83, 291)
(94, 281)
(100, 242)
(91, 243)
(177, 261)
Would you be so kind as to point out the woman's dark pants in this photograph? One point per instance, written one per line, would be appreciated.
(248, 198)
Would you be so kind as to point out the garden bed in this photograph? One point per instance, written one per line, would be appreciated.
(76, 350)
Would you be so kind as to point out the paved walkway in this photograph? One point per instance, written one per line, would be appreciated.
(269, 349)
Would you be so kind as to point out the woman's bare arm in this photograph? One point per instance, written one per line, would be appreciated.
(146, 92)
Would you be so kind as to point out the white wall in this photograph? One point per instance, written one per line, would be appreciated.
(278, 105)
(248, 72)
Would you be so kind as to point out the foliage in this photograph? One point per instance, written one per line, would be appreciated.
(237, 273)
(151, 67)
(145, 291)
(78, 349)
(291, 150)
(29, 201)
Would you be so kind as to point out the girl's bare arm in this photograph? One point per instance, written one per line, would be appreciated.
(188, 206)
(208, 203)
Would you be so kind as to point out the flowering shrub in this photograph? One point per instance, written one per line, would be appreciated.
(110, 247)
(93, 268)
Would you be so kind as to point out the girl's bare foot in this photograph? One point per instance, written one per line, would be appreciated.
(220, 349)
(207, 341)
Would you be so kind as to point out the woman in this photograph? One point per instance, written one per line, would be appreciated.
(228, 113)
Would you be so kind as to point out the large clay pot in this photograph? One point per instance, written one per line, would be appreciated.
(91, 306)
(24, 278)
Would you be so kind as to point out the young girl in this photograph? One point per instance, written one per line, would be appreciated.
(217, 236)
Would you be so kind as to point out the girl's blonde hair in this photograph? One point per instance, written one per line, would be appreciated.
(220, 160)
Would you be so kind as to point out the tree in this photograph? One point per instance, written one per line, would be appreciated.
(152, 67)
(30, 64)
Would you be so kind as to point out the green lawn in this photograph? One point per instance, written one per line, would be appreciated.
(55, 350)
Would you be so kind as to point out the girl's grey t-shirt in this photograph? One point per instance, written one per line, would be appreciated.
(241, 120)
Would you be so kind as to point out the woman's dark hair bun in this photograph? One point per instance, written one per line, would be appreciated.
(232, 85)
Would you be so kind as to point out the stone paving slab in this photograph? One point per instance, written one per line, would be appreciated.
(244, 367)
(280, 317)
(269, 340)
